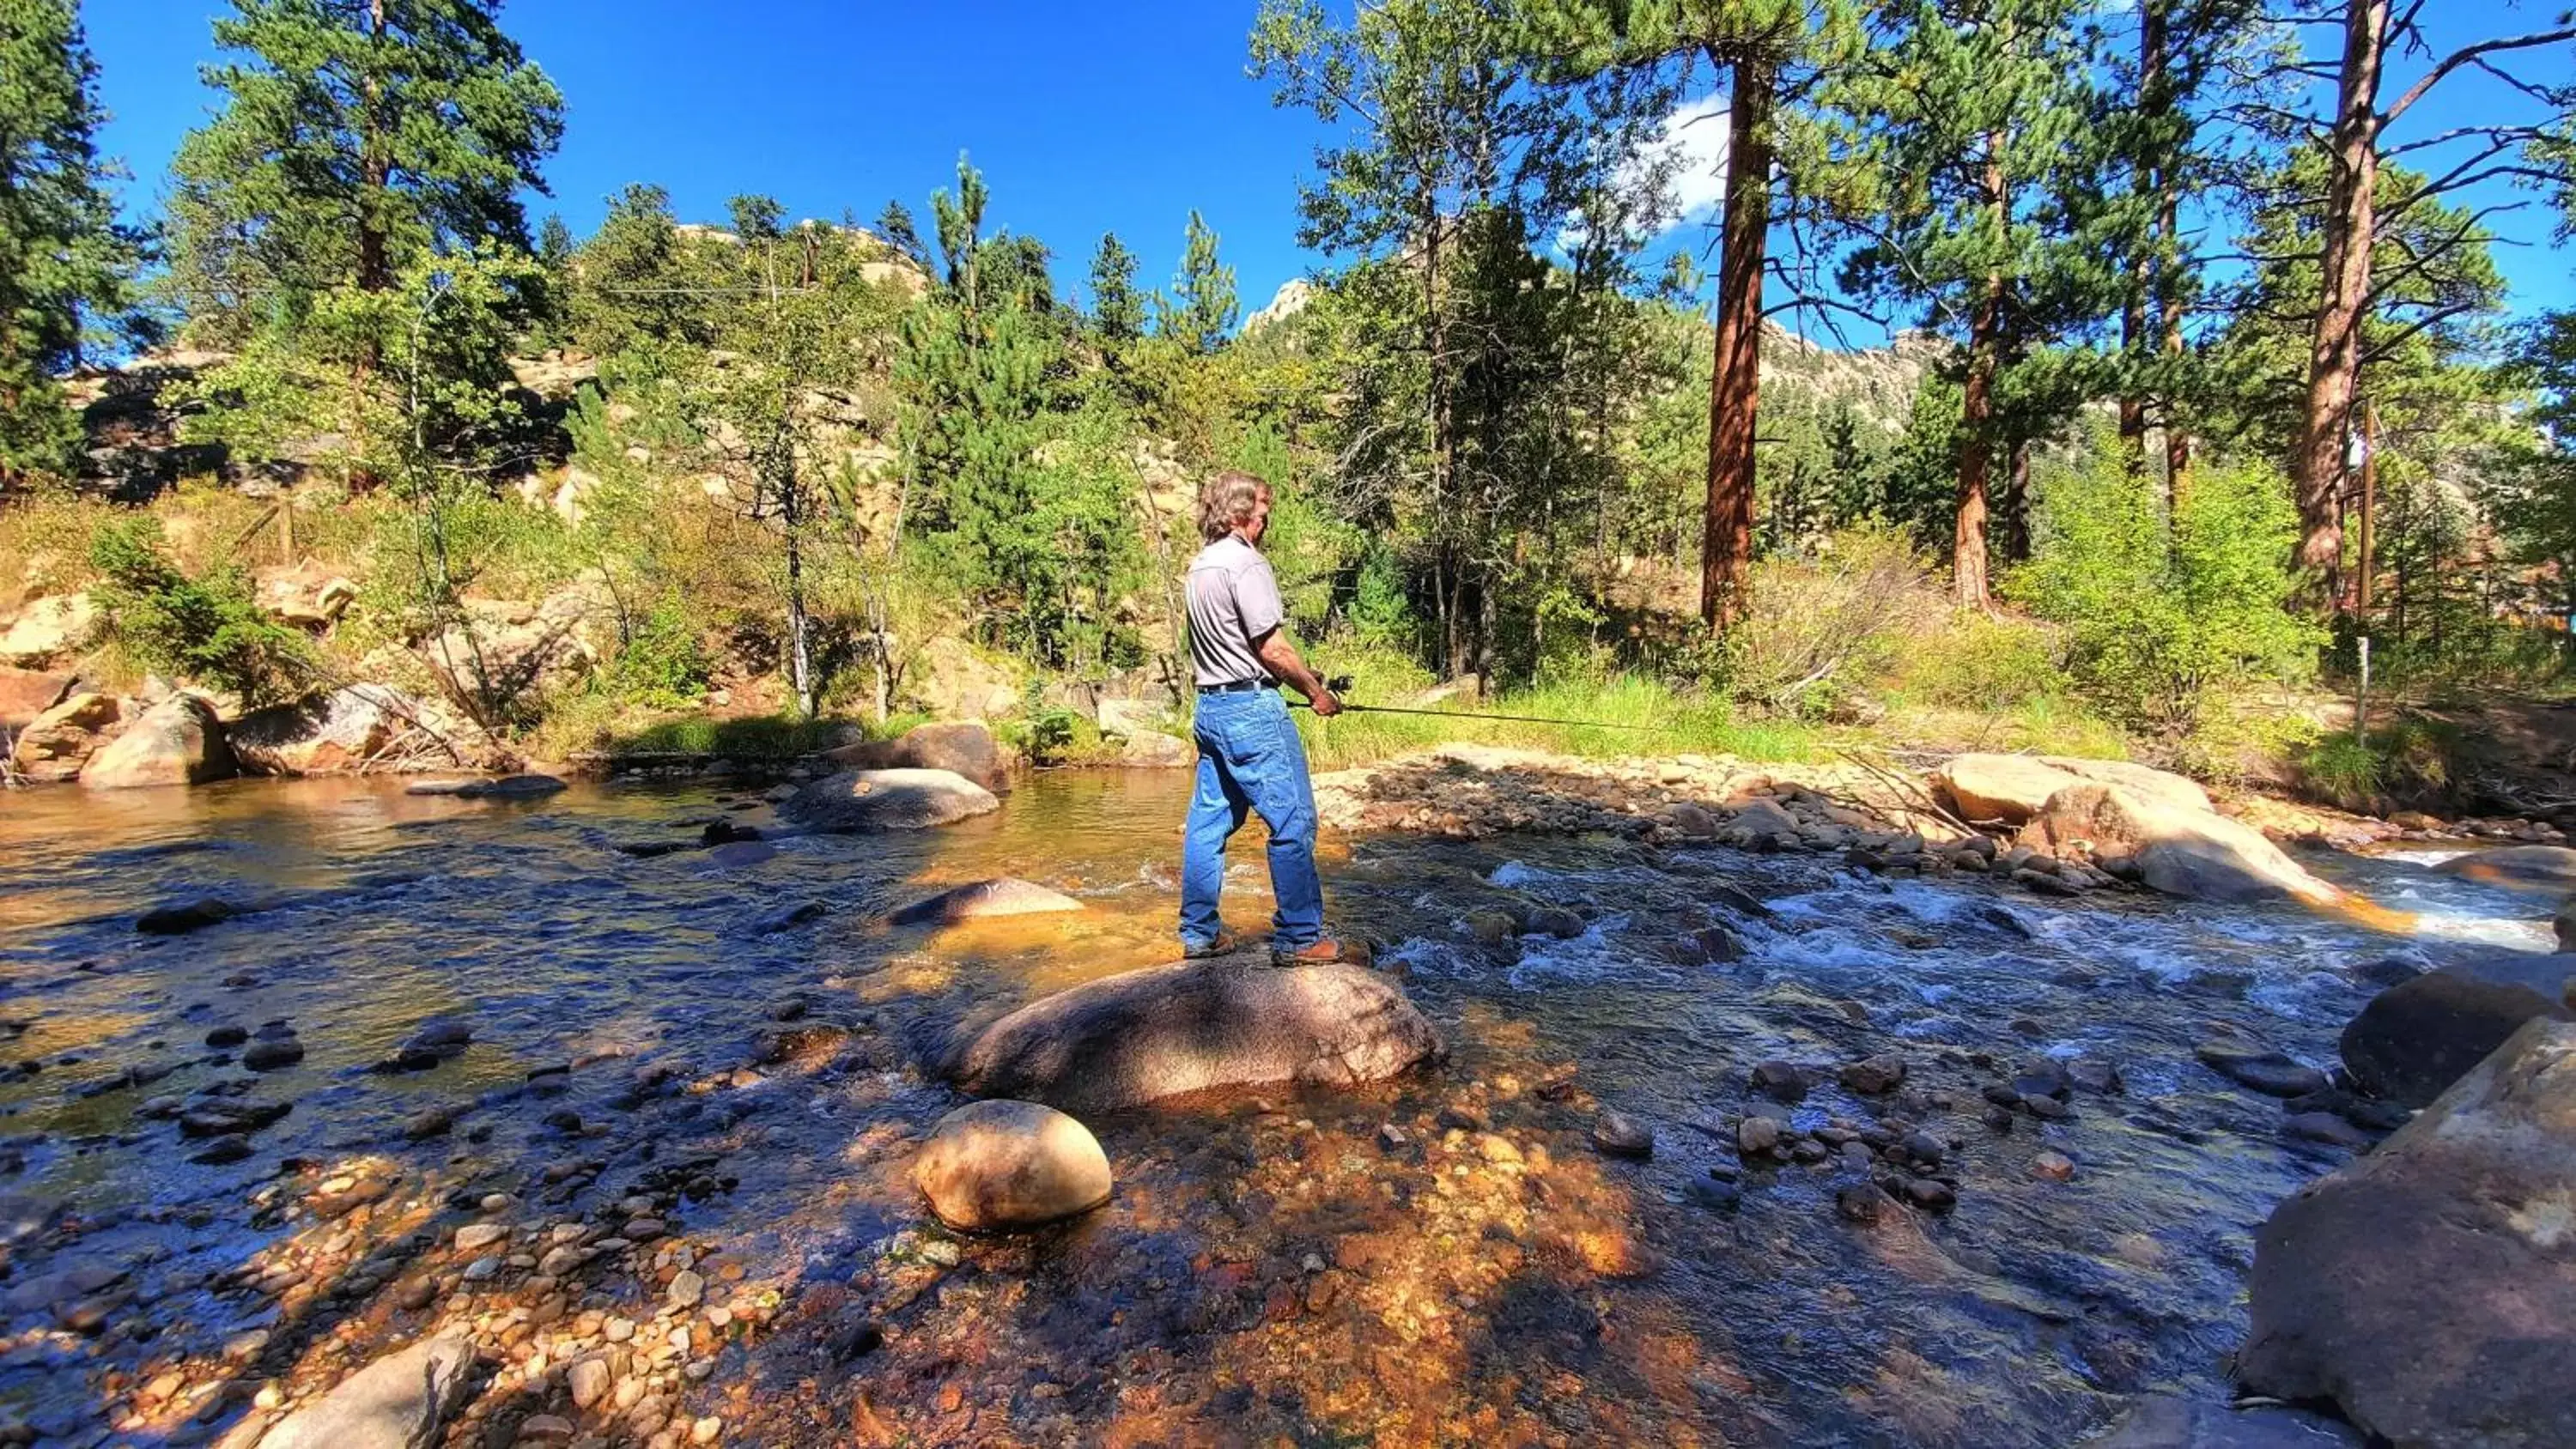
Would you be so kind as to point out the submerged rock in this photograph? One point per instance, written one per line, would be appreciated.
(1617, 1134)
(2413, 1040)
(904, 799)
(1003, 896)
(2171, 1422)
(2260, 1068)
(2523, 867)
(2429, 1288)
(993, 1166)
(176, 742)
(397, 1402)
(1144, 1035)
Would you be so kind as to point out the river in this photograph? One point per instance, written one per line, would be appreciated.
(1274, 1268)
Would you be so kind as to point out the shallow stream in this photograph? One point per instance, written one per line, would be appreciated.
(1273, 1269)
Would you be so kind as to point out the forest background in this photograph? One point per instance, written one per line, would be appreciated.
(2147, 360)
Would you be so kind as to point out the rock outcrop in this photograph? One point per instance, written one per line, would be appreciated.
(398, 1402)
(2429, 1288)
(176, 742)
(60, 741)
(330, 734)
(1144, 1035)
(2197, 854)
(46, 630)
(995, 1166)
(1149, 750)
(26, 694)
(2413, 1040)
(1002, 897)
(961, 747)
(871, 800)
(2549, 868)
(1122, 718)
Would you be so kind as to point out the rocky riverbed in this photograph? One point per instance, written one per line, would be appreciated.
(1762, 1142)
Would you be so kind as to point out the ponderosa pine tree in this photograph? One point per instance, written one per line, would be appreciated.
(1117, 308)
(1201, 311)
(1966, 117)
(62, 257)
(354, 136)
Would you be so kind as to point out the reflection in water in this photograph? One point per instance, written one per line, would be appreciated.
(678, 1028)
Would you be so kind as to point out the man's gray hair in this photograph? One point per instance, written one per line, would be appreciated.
(1227, 502)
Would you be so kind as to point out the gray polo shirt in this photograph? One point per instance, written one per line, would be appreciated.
(1234, 600)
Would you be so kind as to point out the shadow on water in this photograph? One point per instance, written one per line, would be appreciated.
(678, 1065)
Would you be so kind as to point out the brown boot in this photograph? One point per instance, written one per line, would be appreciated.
(1224, 945)
(1322, 953)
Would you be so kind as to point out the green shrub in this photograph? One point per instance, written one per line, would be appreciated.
(2159, 620)
(1818, 628)
(204, 629)
(1982, 662)
(659, 664)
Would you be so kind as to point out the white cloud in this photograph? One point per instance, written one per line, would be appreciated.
(1690, 150)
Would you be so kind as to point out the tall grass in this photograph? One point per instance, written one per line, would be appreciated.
(1622, 714)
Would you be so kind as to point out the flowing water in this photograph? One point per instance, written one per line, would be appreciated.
(1273, 1268)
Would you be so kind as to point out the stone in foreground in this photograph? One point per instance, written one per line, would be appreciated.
(2168, 1422)
(176, 742)
(994, 1166)
(396, 1402)
(872, 800)
(2429, 1288)
(1144, 1035)
(2522, 867)
(1000, 897)
(2413, 1040)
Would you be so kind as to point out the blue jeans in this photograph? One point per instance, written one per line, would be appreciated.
(1251, 759)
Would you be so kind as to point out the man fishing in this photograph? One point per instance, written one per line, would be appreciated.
(1250, 758)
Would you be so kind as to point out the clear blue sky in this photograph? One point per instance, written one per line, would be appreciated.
(1085, 117)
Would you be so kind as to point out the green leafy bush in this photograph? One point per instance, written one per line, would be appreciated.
(660, 664)
(2160, 619)
(1817, 627)
(1983, 662)
(204, 629)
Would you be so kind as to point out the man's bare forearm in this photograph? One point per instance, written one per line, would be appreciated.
(1282, 659)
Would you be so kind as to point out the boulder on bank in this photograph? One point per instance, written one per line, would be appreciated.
(2429, 1288)
(1148, 750)
(2196, 854)
(993, 1166)
(1126, 718)
(2013, 788)
(46, 630)
(25, 694)
(871, 800)
(960, 747)
(1144, 1035)
(2521, 867)
(331, 734)
(397, 1402)
(2413, 1040)
(61, 740)
(176, 742)
(1000, 897)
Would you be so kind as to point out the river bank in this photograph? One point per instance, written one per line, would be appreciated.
(661, 1181)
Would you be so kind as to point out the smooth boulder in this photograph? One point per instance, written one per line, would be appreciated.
(62, 739)
(1124, 718)
(2413, 1040)
(1000, 897)
(2194, 854)
(2549, 868)
(961, 747)
(337, 733)
(398, 1402)
(994, 1166)
(1148, 750)
(2428, 1289)
(176, 742)
(870, 800)
(2005, 788)
(1144, 1035)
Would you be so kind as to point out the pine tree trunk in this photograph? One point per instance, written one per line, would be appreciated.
(2334, 350)
(2013, 514)
(375, 270)
(2137, 320)
(1436, 339)
(2169, 304)
(1734, 387)
(1977, 410)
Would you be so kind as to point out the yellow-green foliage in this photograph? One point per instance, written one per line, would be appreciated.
(1822, 627)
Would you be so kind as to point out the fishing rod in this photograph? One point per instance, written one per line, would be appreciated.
(1338, 685)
